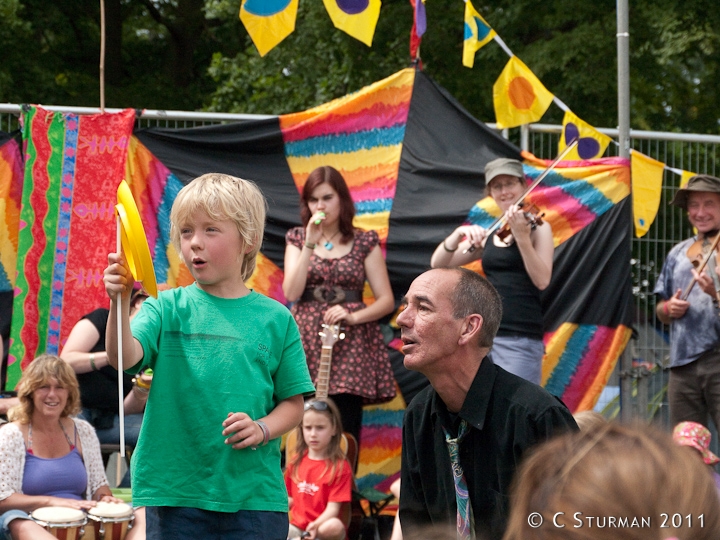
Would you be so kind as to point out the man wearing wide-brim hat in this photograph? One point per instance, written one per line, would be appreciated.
(694, 317)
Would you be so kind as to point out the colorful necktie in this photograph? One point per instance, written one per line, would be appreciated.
(465, 525)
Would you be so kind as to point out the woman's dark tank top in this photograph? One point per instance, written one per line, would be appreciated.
(522, 311)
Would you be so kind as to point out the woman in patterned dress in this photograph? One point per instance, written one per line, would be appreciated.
(327, 261)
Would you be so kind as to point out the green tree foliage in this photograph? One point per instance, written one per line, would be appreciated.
(196, 55)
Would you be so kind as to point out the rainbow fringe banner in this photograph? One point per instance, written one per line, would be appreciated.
(579, 360)
(11, 181)
(586, 203)
(361, 135)
(379, 458)
(67, 224)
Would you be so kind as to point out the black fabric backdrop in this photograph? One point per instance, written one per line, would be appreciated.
(441, 173)
(440, 178)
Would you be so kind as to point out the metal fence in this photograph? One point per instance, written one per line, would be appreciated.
(642, 369)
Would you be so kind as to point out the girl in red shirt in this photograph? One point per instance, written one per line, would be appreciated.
(318, 477)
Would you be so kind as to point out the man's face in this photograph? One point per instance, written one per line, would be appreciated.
(704, 210)
(429, 331)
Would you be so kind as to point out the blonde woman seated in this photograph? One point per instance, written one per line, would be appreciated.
(47, 457)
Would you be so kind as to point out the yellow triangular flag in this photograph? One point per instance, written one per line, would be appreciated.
(685, 178)
(477, 33)
(519, 96)
(647, 175)
(591, 143)
(268, 22)
(359, 23)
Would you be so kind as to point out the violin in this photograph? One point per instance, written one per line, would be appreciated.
(702, 253)
(530, 208)
(532, 214)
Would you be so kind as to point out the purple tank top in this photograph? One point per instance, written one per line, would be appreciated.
(60, 477)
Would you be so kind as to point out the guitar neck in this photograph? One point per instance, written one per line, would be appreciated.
(323, 376)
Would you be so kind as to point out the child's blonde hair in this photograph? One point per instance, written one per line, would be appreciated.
(334, 454)
(222, 197)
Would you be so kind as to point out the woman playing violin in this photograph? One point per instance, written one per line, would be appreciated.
(519, 267)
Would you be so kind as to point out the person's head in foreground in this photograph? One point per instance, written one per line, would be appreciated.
(616, 483)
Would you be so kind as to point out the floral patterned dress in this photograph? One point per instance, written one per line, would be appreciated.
(360, 362)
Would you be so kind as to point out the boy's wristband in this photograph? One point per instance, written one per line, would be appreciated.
(665, 308)
(265, 430)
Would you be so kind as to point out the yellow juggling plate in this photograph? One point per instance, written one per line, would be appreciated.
(134, 241)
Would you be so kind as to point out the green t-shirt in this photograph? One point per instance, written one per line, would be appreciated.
(212, 356)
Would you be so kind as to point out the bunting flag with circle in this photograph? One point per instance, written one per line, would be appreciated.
(591, 143)
(268, 21)
(647, 176)
(518, 96)
(357, 18)
(477, 33)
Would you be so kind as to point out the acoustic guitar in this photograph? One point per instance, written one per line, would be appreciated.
(330, 334)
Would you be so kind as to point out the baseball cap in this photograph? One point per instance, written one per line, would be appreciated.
(503, 166)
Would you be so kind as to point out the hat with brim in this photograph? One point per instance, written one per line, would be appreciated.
(695, 436)
(499, 166)
(699, 182)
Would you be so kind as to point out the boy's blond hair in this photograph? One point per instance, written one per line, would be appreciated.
(222, 197)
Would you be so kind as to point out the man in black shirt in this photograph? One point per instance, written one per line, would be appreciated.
(448, 326)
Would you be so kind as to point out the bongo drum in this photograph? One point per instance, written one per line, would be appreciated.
(110, 521)
(62, 522)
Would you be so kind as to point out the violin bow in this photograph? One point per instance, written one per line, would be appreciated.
(702, 266)
(499, 222)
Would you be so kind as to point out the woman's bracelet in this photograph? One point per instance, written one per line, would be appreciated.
(447, 248)
(92, 362)
(665, 308)
(265, 430)
(310, 245)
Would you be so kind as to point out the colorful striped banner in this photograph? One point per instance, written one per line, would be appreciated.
(11, 181)
(360, 135)
(379, 458)
(67, 225)
(579, 360)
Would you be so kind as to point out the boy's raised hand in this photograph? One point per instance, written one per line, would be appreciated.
(117, 277)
